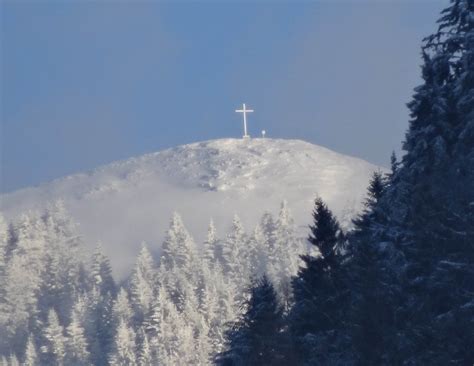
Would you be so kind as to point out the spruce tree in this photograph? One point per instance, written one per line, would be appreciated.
(235, 253)
(55, 341)
(421, 249)
(99, 329)
(256, 337)
(324, 234)
(76, 343)
(142, 284)
(374, 290)
(435, 192)
(13, 360)
(320, 293)
(124, 351)
(101, 273)
(31, 355)
(122, 309)
(211, 250)
(144, 354)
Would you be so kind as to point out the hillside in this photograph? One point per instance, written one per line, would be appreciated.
(130, 201)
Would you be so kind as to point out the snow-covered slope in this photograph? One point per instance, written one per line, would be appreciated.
(130, 201)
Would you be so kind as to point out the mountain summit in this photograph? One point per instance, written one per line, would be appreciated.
(130, 201)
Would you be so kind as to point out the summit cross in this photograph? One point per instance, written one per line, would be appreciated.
(244, 111)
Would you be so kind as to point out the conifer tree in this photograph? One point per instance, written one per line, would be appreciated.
(325, 231)
(99, 329)
(255, 338)
(55, 349)
(31, 355)
(14, 360)
(437, 189)
(4, 236)
(142, 284)
(124, 346)
(179, 248)
(372, 282)
(284, 253)
(122, 309)
(235, 252)
(420, 245)
(76, 343)
(258, 253)
(320, 293)
(394, 166)
(144, 353)
(101, 273)
(211, 251)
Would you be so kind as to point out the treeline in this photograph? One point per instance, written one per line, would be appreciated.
(59, 308)
(399, 288)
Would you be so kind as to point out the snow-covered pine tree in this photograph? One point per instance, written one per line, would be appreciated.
(4, 239)
(76, 343)
(54, 350)
(178, 249)
(122, 309)
(258, 253)
(235, 253)
(267, 222)
(4, 236)
(142, 284)
(170, 337)
(211, 249)
(13, 360)
(284, 253)
(124, 349)
(209, 309)
(268, 225)
(144, 353)
(31, 354)
(22, 278)
(61, 277)
(101, 273)
(100, 327)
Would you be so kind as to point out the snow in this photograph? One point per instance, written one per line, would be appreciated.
(127, 202)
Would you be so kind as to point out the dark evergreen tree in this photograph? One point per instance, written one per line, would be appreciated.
(320, 295)
(325, 231)
(256, 338)
(421, 245)
(394, 166)
(375, 191)
(393, 163)
(374, 290)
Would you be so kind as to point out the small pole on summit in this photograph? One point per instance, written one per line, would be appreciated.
(244, 111)
(263, 134)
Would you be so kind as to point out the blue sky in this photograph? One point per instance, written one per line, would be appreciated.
(87, 83)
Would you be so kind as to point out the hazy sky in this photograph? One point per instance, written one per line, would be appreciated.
(89, 82)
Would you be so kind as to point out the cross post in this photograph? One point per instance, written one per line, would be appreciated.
(244, 111)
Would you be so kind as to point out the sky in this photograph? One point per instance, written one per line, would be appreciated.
(86, 83)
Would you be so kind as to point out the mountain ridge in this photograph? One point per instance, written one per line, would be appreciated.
(129, 201)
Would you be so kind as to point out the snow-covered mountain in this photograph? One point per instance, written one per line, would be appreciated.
(130, 201)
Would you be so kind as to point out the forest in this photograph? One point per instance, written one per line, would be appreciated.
(396, 288)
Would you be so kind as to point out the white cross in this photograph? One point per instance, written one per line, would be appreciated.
(244, 112)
